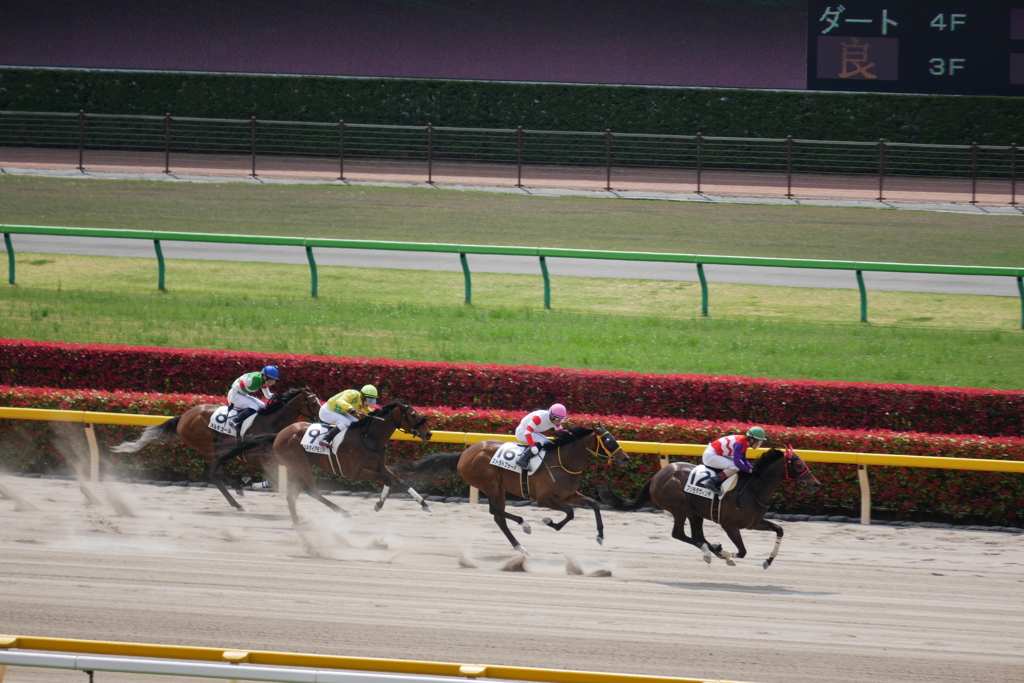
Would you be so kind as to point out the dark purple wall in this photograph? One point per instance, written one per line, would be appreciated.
(642, 42)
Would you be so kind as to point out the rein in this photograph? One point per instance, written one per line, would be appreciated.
(600, 443)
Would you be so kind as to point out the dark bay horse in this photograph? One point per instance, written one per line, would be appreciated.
(743, 507)
(192, 427)
(554, 485)
(361, 456)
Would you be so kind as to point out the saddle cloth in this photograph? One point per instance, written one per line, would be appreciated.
(316, 431)
(507, 454)
(219, 421)
(697, 474)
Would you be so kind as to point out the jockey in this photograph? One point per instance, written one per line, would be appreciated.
(341, 410)
(532, 427)
(729, 454)
(242, 389)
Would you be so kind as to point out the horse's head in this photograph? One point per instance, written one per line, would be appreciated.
(410, 421)
(306, 403)
(607, 445)
(798, 471)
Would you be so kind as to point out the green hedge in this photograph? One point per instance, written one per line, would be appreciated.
(934, 119)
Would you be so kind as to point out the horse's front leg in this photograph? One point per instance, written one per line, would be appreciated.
(395, 479)
(765, 525)
(733, 532)
(580, 499)
(500, 516)
(554, 503)
(709, 549)
(214, 476)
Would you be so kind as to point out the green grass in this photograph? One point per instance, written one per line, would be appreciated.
(433, 215)
(639, 325)
(643, 326)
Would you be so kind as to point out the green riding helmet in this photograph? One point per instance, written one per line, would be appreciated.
(757, 433)
(369, 393)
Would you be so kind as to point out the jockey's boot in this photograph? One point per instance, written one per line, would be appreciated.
(329, 437)
(524, 460)
(714, 482)
(241, 417)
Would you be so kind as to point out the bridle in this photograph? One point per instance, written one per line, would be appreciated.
(411, 431)
(796, 468)
(605, 451)
(306, 393)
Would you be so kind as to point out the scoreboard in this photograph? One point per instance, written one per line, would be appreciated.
(966, 47)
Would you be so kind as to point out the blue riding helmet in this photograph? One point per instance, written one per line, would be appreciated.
(270, 371)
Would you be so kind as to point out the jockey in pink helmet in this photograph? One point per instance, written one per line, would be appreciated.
(532, 427)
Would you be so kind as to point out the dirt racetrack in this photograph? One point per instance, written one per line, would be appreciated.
(174, 565)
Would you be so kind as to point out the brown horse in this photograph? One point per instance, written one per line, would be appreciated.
(554, 484)
(192, 427)
(743, 507)
(360, 456)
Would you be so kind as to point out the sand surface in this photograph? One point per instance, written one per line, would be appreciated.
(175, 565)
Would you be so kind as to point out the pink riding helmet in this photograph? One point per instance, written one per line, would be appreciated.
(557, 410)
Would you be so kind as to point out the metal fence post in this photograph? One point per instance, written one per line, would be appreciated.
(700, 140)
(10, 258)
(160, 265)
(703, 290)
(1020, 290)
(467, 278)
(519, 156)
(789, 167)
(1013, 174)
(312, 270)
(863, 297)
(81, 139)
(341, 149)
(974, 173)
(547, 282)
(167, 143)
(881, 168)
(430, 153)
(608, 159)
(252, 142)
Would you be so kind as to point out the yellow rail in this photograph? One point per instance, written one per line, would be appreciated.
(663, 450)
(290, 659)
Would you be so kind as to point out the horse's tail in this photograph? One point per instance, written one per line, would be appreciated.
(153, 433)
(432, 464)
(620, 503)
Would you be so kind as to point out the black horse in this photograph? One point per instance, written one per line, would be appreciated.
(743, 507)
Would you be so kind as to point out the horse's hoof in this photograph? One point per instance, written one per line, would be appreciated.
(547, 520)
(345, 513)
(526, 528)
(523, 550)
(600, 540)
(729, 562)
(377, 506)
(707, 553)
(425, 507)
(768, 562)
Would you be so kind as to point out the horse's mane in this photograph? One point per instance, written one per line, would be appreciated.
(570, 435)
(767, 460)
(281, 400)
(380, 411)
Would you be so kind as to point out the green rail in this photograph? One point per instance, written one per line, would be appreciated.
(541, 253)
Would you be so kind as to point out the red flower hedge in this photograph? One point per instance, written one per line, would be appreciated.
(840, 405)
(981, 497)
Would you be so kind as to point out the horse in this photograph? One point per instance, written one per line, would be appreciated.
(360, 456)
(554, 484)
(192, 427)
(742, 507)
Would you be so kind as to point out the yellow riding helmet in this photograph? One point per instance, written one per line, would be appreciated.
(369, 391)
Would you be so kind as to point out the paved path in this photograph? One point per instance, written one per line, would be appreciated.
(794, 277)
